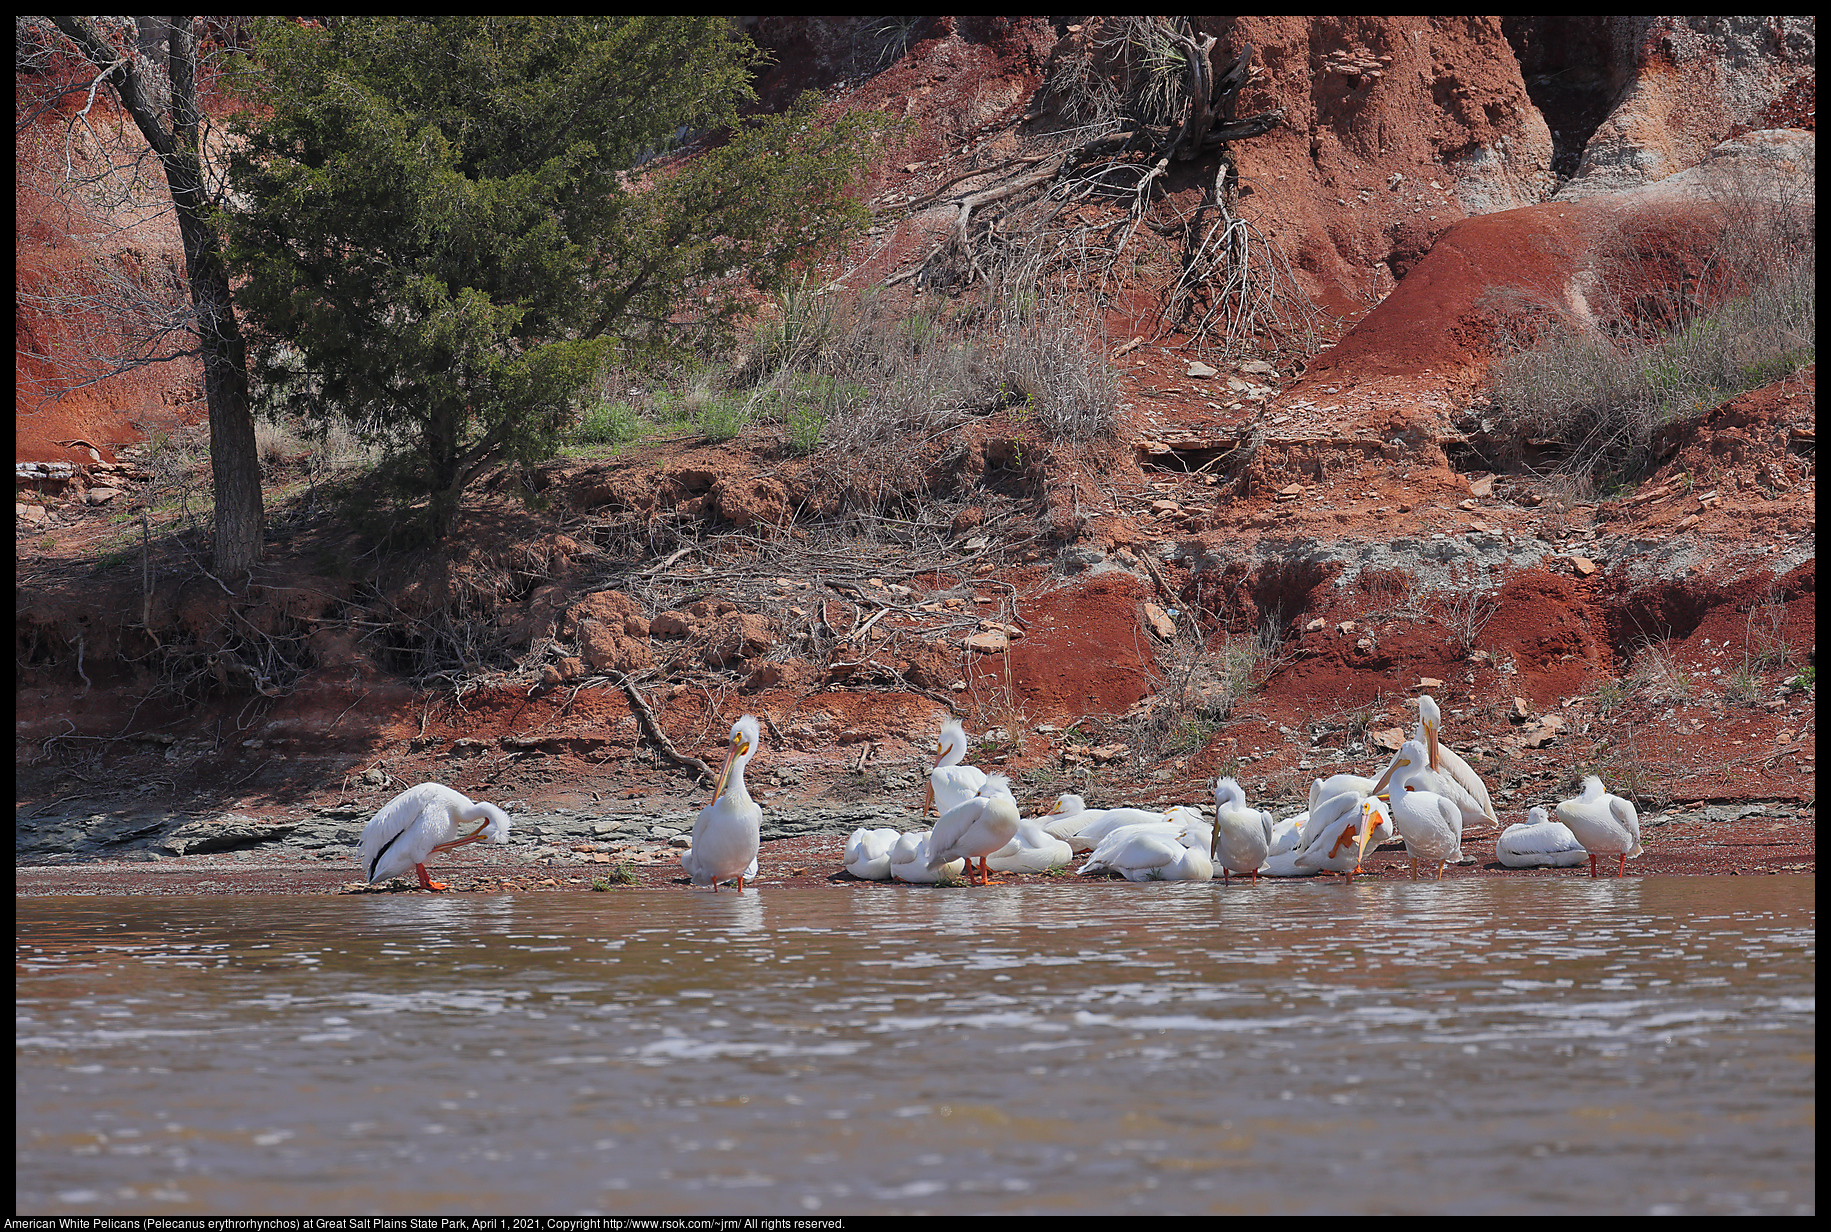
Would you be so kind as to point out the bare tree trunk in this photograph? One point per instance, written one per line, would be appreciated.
(166, 110)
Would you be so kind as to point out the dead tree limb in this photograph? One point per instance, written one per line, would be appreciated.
(652, 727)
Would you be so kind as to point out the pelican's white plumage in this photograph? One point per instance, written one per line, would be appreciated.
(1334, 841)
(976, 827)
(868, 853)
(1242, 834)
(1429, 822)
(1151, 853)
(729, 830)
(1450, 776)
(422, 820)
(1281, 857)
(1032, 850)
(1089, 835)
(950, 783)
(1070, 813)
(909, 861)
(1606, 825)
(1539, 842)
(1436, 782)
(1336, 784)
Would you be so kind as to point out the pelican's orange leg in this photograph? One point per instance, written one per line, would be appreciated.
(427, 883)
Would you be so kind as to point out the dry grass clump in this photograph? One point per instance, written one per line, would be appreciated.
(871, 391)
(1202, 680)
(1687, 309)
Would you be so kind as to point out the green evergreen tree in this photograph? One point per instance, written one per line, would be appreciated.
(446, 223)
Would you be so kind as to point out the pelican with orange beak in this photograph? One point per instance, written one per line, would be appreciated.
(1430, 824)
(951, 784)
(1445, 760)
(1336, 841)
(1435, 771)
(421, 822)
(729, 830)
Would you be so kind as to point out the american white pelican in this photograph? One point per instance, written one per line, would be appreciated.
(1090, 835)
(951, 783)
(726, 836)
(1336, 784)
(1242, 835)
(1032, 850)
(1538, 842)
(1151, 853)
(1605, 824)
(1430, 824)
(868, 853)
(1426, 776)
(1335, 842)
(909, 861)
(407, 830)
(1070, 813)
(1446, 760)
(975, 828)
(1281, 858)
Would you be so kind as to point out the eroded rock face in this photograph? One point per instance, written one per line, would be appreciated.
(738, 636)
(1395, 128)
(612, 608)
(1689, 83)
(750, 500)
(607, 648)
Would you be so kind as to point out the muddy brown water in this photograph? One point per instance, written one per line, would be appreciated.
(1644, 1045)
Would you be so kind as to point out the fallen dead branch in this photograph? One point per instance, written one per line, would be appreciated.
(651, 726)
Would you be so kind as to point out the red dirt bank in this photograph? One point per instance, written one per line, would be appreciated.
(1358, 521)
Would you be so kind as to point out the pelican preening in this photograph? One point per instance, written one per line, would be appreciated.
(1242, 835)
(975, 828)
(1335, 840)
(1605, 824)
(420, 822)
(728, 832)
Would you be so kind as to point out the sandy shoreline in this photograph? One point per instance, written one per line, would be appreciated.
(1779, 840)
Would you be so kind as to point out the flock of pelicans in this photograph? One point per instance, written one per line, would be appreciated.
(1425, 796)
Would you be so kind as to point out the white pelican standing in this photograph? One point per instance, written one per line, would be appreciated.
(1605, 824)
(727, 834)
(1336, 840)
(1538, 842)
(868, 853)
(1242, 835)
(407, 830)
(951, 783)
(1430, 824)
(975, 828)
(1432, 772)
